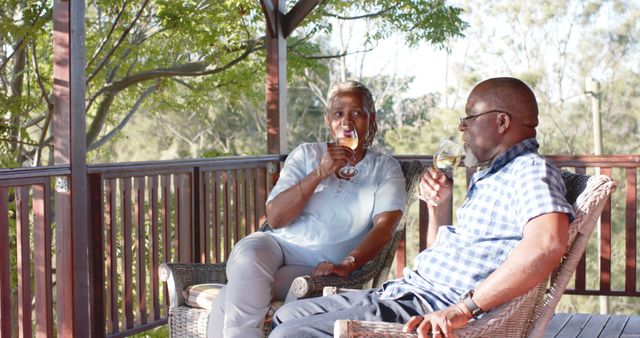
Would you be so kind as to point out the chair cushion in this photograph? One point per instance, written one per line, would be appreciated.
(202, 295)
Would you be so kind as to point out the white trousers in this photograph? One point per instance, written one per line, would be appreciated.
(256, 275)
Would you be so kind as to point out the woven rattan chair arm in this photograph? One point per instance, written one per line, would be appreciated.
(179, 276)
(310, 286)
(358, 328)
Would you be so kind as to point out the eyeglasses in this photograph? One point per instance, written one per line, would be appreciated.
(464, 120)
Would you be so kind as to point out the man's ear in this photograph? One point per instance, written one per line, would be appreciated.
(504, 122)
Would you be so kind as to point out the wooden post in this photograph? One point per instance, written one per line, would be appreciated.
(74, 310)
(276, 91)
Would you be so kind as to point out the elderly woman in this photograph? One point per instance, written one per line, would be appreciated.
(323, 224)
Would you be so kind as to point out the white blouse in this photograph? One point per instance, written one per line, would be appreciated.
(340, 212)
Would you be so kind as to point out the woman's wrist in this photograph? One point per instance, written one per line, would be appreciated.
(320, 173)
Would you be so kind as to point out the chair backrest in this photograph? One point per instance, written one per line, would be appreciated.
(529, 314)
(595, 193)
(412, 171)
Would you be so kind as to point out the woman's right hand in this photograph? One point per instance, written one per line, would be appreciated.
(333, 159)
(330, 269)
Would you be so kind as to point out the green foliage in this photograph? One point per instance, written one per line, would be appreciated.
(158, 58)
(416, 20)
(555, 46)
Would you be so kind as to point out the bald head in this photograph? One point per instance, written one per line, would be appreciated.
(510, 95)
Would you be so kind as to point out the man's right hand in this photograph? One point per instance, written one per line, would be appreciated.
(434, 186)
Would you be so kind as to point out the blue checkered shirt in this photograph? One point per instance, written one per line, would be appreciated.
(518, 185)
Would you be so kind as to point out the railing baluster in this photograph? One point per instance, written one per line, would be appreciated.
(111, 261)
(630, 233)
(184, 219)
(262, 193)
(581, 268)
(5, 291)
(245, 201)
(196, 226)
(215, 185)
(165, 214)
(605, 242)
(42, 240)
(127, 251)
(252, 216)
(423, 225)
(140, 242)
(236, 206)
(206, 215)
(153, 247)
(227, 227)
(96, 245)
(24, 261)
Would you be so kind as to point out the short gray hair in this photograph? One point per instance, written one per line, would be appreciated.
(352, 86)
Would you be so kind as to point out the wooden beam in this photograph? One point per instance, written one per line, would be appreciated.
(299, 11)
(75, 308)
(270, 15)
(276, 91)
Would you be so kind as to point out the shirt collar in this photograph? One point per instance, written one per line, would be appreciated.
(529, 145)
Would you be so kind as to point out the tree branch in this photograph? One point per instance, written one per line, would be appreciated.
(334, 56)
(173, 130)
(364, 16)
(49, 114)
(188, 70)
(43, 90)
(101, 117)
(124, 34)
(108, 37)
(125, 120)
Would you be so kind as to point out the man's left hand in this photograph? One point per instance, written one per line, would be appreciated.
(438, 324)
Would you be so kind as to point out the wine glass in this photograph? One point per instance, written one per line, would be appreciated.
(348, 139)
(446, 159)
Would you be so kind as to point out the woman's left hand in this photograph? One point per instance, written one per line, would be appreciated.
(328, 269)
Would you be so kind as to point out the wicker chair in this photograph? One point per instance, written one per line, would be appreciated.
(186, 321)
(529, 314)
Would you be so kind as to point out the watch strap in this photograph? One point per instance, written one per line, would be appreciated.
(471, 305)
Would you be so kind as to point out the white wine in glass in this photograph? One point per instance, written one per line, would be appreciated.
(348, 139)
(446, 158)
(446, 163)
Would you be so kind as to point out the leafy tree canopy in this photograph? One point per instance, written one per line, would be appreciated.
(172, 58)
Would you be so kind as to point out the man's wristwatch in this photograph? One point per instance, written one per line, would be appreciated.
(350, 260)
(473, 308)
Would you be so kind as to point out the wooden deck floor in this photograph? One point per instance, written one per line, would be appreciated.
(567, 325)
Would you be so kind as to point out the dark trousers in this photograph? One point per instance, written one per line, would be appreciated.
(314, 317)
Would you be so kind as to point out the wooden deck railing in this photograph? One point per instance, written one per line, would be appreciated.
(147, 213)
(26, 282)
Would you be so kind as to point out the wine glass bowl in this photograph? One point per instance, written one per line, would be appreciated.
(349, 139)
(446, 158)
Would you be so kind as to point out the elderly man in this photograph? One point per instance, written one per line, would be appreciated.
(511, 231)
